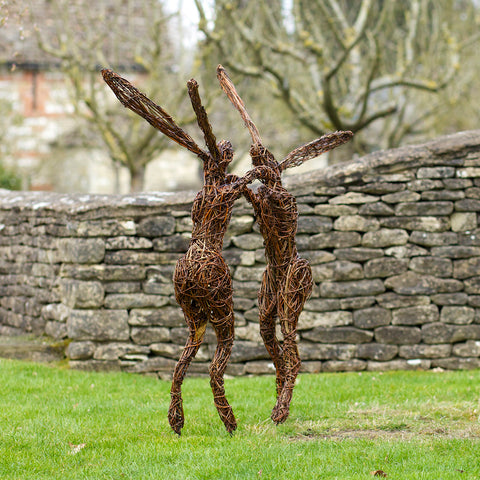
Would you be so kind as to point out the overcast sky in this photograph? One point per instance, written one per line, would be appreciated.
(189, 16)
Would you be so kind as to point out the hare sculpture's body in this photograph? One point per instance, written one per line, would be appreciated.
(286, 284)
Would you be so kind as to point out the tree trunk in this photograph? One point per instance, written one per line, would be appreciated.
(137, 178)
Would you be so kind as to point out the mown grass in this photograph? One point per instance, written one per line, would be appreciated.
(411, 425)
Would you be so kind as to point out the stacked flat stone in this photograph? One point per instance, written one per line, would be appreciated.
(393, 240)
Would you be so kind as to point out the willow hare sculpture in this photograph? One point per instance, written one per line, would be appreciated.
(287, 280)
(202, 281)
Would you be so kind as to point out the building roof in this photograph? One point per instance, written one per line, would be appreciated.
(107, 20)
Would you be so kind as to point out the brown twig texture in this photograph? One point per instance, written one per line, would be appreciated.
(202, 281)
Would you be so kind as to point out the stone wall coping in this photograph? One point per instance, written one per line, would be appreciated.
(92, 205)
(426, 154)
(74, 203)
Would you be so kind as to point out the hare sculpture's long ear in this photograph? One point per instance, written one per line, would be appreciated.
(229, 88)
(314, 149)
(139, 103)
(202, 119)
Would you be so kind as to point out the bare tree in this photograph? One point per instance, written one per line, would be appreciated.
(130, 36)
(364, 66)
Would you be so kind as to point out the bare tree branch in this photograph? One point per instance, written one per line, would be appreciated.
(136, 36)
(345, 65)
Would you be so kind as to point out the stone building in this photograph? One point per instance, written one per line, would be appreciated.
(41, 132)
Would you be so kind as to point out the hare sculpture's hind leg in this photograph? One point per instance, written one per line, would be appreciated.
(196, 321)
(267, 304)
(224, 329)
(291, 299)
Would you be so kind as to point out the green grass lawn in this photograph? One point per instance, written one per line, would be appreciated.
(61, 424)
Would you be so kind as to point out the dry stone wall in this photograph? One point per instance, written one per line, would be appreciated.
(393, 240)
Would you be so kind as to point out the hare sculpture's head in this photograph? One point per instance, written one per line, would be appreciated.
(225, 150)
